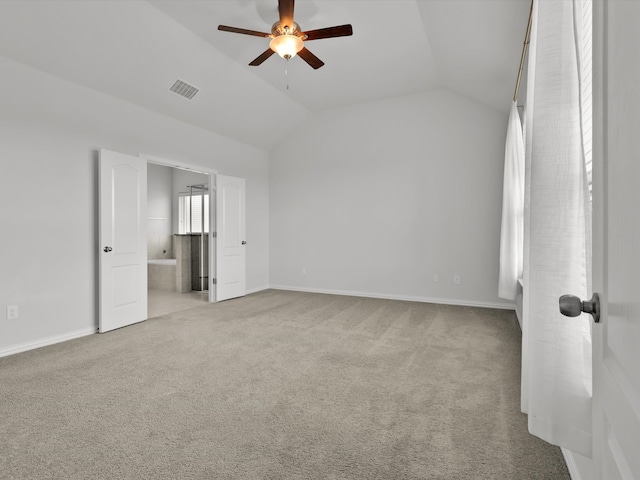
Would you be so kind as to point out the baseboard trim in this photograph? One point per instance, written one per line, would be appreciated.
(405, 298)
(44, 342)
(259, 289)
(571, 464)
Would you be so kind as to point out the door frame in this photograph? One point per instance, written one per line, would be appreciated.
(212, 198)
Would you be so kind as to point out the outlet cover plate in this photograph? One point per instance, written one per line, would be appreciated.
(12, 312)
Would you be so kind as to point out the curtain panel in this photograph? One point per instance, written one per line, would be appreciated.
(512, 229)
(556, 364)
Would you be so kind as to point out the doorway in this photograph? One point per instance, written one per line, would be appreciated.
(124, 219)
(178, 241)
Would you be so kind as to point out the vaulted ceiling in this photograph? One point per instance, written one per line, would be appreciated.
(136, 49)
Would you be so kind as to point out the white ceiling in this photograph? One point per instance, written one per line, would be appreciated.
(136, 49)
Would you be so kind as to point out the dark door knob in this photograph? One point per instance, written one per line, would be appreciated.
(572, 306)
(107, 249)
(244, 243)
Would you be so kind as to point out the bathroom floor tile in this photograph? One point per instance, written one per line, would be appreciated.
(161, 302)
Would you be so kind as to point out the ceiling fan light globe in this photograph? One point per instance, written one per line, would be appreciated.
(287, 46)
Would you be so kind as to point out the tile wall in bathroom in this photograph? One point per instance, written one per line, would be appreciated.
(159, 246)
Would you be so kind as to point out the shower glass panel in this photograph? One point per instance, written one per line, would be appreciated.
(193, 219)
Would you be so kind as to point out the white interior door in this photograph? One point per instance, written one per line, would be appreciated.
(123, 240)
(231, 240)
(616, 340)
(211, 246)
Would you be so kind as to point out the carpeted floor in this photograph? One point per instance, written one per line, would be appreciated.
(278, 385)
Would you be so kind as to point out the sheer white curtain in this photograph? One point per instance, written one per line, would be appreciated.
(511, 233)
(556, 367)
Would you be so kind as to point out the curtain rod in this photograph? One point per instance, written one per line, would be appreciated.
(524, 53)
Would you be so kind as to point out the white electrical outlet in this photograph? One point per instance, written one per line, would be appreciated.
(436, 278)
(456, 279)
(12, 312)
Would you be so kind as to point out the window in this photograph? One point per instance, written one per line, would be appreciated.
(190, 213)
(586, 92)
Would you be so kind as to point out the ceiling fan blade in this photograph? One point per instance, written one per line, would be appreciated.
(285, 8)
(310, 58)
(266, 54)
(330, 32)
(244, 31)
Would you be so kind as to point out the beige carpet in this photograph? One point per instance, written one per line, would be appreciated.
(277, 385)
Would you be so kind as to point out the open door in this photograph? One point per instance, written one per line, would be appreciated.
(616, 196)
(231, 238)
(123, 240)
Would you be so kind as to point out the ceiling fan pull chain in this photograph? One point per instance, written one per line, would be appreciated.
(286, 73)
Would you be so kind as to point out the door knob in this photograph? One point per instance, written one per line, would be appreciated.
(572, 306)
(107, 249)
(244, 243)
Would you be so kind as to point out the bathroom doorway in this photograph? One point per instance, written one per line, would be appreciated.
(179, 243)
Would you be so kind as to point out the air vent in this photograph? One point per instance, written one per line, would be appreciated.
(184, 89)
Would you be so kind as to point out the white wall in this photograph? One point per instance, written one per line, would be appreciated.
(379, 197)
(159, 199)
(159, 211)
(50, 132)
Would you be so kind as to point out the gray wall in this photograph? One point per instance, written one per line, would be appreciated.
(371, 199)
(376, 198)
(159, 212)
(50, 132)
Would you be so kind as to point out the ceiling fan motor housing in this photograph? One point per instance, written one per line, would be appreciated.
(277, 29)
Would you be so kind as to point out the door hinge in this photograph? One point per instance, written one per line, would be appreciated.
(214, 234)
(213, 280)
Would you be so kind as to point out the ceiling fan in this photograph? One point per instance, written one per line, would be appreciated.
(287, 38)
